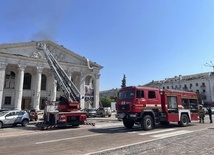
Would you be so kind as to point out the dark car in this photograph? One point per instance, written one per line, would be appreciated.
(33, 115)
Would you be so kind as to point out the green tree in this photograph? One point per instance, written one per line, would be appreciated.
(106, 102)
(123, 81)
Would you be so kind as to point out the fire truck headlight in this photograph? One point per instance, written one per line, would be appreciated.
(133, 115)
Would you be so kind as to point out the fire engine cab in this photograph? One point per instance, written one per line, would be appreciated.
(148, 107)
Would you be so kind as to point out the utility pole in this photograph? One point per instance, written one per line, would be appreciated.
(210, 65)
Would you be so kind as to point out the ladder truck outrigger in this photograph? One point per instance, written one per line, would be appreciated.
(66, 111)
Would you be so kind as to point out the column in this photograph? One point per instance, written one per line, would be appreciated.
(96, 90)
(36, 100)
(19, 87)
(53, 90)
(2, 79)
(82, 90)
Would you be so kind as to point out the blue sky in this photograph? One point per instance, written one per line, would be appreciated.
(144, 39)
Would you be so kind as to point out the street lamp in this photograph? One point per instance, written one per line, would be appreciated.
(210, 65)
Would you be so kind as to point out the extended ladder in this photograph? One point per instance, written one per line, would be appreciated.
(66, 85)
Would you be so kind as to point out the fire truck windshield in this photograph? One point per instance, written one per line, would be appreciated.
(126, 95)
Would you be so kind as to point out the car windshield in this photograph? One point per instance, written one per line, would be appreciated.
(126, 95)
(3, 113)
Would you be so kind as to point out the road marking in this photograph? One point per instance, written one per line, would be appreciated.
(171, 134)
(64, 139)
(154, 132)
(158, 136)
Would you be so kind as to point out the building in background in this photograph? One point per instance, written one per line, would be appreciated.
(202, 83)
(112, 93)
(26, 80)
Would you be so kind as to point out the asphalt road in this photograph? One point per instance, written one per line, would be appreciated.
(108, 136)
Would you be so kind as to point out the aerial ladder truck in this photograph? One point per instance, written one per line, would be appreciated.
(66, 111)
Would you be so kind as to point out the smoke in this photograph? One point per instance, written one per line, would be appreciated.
(35, 20)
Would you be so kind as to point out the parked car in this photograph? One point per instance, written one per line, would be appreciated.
(40, 114)
(14, 117)
(108, 111)
(91, 112)
(33, 115)
(101, 112)
(104, 111)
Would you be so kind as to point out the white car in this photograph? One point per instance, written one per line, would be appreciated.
(14, 117)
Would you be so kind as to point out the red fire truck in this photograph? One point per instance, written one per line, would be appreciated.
(66, 111)
(148, 107)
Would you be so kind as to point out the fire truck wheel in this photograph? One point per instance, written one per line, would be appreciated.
(128, 123)
(184, 120)
(147, 122)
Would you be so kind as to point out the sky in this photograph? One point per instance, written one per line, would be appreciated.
(144, 40)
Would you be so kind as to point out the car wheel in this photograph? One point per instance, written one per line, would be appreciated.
(24, 122)
(1, 125)
(109, 115)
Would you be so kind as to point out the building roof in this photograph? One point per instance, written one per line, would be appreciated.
(182, 78)
(29, 48)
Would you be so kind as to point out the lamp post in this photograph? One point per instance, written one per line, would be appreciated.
(210, 65)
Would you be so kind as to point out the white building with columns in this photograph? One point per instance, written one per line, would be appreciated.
(26, 80)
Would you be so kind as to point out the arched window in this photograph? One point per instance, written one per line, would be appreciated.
(10, 80)
(27, 81)
(43, 82)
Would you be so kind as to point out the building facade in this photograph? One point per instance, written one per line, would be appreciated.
(202, 83)
(26, 80)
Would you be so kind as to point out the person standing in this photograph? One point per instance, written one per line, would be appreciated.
(201, 114)
(210, 114)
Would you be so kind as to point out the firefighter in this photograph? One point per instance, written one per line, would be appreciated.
(210, 114)
(201, 114)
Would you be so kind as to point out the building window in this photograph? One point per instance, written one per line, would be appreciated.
(9, 80)
(203, 84)
(196, 84)
(43, 82)
(7, 100)
(204, 90)
(27, 81)
(190, 85)
(167, 87)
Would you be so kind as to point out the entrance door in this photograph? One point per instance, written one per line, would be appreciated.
(26, 103)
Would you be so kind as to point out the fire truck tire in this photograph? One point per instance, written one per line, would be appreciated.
(184, 120)
(147, 123)
(128, 123)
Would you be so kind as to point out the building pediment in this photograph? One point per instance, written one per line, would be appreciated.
(30, 50)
